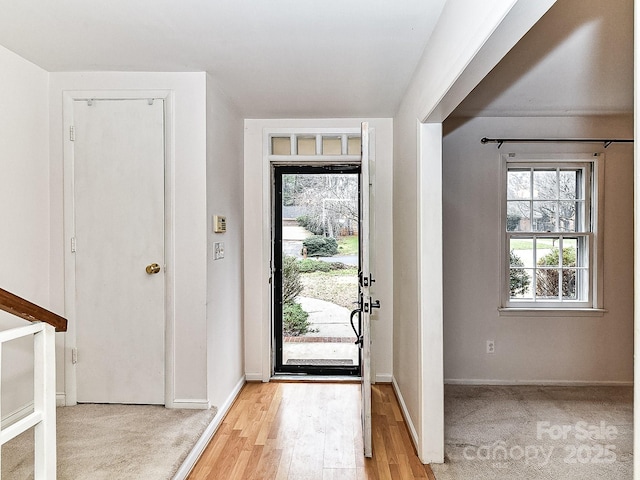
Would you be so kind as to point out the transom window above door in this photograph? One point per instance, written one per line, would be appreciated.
(315, 145)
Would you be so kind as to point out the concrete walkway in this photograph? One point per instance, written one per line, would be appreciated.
(329, 319)
(346, 259)
(295, 232)
(292, 238)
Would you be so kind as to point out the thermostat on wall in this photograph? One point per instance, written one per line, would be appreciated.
(219, 224)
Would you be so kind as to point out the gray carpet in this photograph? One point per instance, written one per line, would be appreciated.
(530, 432)
(113, 442)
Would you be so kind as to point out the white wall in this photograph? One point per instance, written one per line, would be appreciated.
(24, 210)
(257, 243)
(189, 212)
(224, 277)
(636, 217)
(537, 349)
(470, 38)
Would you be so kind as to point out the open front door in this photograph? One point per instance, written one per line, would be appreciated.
(366, 302)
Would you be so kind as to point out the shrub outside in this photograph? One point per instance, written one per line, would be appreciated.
(319, 246)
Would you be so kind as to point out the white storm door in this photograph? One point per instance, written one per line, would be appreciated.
(365, 292)
(118, 175)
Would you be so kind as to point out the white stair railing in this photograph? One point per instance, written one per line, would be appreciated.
(43, 417)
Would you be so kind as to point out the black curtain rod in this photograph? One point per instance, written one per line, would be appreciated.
(605, 142)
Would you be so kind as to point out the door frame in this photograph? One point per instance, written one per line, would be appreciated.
(269, 161)
(69, 97)
(335, 168)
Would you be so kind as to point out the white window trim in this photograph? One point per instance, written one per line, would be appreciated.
(596, 249)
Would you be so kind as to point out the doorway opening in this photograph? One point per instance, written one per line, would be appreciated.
(316, 258)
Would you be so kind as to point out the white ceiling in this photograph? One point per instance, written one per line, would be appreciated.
(274, 58)
(578, 59)
(298, 58)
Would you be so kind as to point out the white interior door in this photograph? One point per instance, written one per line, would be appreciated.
(365, 291)
(118, 176)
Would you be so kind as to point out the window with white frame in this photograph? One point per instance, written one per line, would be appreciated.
(550, 227)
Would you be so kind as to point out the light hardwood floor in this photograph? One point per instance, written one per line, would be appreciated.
(309, 431)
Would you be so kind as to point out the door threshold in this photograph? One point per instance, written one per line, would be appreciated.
(303, 377)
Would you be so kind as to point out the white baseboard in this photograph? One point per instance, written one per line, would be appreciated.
(208, 434)
(550, 383)
(405, 413)
(384, 378)
(191, 404)
(253, 377)
(61, 399)
(17, 415)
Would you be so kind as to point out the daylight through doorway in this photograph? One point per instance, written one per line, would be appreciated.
(316, 265)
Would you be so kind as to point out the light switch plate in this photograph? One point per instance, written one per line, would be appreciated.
(218, 250)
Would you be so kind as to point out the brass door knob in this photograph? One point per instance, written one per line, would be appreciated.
(153, 268)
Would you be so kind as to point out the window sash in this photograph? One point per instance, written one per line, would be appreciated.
(575, 278)
(527, 198)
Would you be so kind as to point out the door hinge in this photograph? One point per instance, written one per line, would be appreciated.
(73, 244)
(72, 133)
(74, 356)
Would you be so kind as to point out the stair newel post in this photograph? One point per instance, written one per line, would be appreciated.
(45, 402)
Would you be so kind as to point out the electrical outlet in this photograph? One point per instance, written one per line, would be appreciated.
(491, 346)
